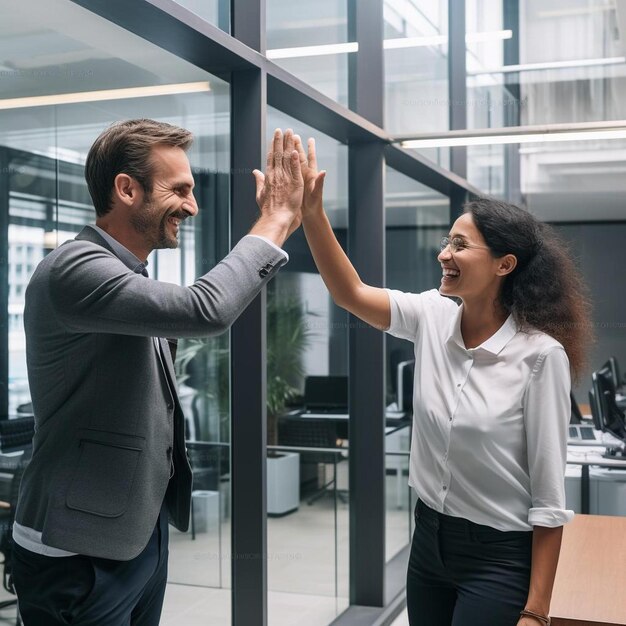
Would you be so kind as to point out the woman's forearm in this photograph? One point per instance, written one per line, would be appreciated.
(337, 271)
(545, 557)
(371, 304)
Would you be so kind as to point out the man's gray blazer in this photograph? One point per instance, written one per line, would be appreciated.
(109, 427)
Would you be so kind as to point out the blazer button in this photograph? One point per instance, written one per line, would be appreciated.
(264, 271)
(170, 405)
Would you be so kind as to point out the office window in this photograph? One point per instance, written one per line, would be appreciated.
(307, 341)
(310, 40)
(216, 12)
(493, 96)
(416, 69)
(416, 219)
(45, 148)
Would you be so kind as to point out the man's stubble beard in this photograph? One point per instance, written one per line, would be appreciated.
(144, 221)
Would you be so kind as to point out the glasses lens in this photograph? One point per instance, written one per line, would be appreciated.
(445, 241)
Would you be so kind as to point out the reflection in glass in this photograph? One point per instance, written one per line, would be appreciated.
(416, 69)
(417, 218)
(216, 12)
(309, 40)
(43, 150)
(307, 336)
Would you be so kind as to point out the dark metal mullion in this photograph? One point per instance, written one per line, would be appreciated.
(457, 95)
(366, 246)
(248, 373)
(366, 67)
(4, 282)
(248, 338)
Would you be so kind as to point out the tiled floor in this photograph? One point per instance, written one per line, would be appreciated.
(307, 567)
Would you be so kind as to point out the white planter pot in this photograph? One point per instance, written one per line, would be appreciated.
(283, 483)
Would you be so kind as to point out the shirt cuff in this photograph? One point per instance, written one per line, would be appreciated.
(549, 517)
(271, 243)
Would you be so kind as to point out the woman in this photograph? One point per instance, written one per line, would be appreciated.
(491, 406)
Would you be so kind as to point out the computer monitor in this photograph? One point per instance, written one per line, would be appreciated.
(575, 414)
(326, 393)
(612, 419)
(612, 366)
(595, 410)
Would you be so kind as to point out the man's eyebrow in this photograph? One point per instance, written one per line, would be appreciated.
(183, 185)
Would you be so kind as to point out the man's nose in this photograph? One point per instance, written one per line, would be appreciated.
(191, 206)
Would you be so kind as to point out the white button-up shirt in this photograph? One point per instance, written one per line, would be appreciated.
(490, 423)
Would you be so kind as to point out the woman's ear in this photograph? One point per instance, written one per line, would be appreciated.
(506, 264)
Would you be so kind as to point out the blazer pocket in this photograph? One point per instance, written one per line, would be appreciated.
(104, 474)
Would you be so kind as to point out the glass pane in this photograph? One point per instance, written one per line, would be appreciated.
(416, 69)
(310, 40)
(45, 147)
(307, 342)
(492, 102)
(216, 12)
(417, 217)
(581, 48)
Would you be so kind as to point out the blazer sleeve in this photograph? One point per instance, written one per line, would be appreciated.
(92, 291)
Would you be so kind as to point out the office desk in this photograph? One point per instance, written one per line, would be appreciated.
(322, 430)
(591, 577)
(578, 456)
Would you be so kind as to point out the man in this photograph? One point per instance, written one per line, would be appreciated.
(109, 465)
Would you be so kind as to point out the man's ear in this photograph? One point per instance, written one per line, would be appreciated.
(506, 264)
(126, 189)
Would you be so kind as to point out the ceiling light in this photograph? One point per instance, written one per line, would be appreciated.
(451, 142)
(104, 94)
(388, 44)
(550, 65)
(313, 51)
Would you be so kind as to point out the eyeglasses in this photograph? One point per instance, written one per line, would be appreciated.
(457, 244)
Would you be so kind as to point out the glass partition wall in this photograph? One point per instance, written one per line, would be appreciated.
(44, 147)
(416, 219)
(307, 346)
(69, 68)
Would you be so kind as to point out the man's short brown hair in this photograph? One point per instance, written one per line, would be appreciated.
(125, 147)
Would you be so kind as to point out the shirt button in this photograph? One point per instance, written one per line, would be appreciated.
(445, 488)
(451, 418)
(170, 405)
(458, 384)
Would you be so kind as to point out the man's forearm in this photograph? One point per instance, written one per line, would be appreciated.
(275, 228)
(545, 558)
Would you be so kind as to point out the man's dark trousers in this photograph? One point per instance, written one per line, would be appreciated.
(88, 591)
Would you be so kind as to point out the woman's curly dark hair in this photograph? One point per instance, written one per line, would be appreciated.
(545, 290)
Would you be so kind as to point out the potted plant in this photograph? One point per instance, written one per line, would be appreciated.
(287, 339)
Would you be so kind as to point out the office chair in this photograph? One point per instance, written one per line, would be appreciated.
(306, 432)
(16, 434)
(7, 517)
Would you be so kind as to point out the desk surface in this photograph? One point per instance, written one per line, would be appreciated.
(591, 577)
(577, 455)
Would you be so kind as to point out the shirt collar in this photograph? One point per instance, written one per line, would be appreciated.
(495, 344)
(122, 252)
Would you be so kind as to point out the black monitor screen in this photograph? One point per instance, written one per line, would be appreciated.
(326, 392)
(611, 417)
